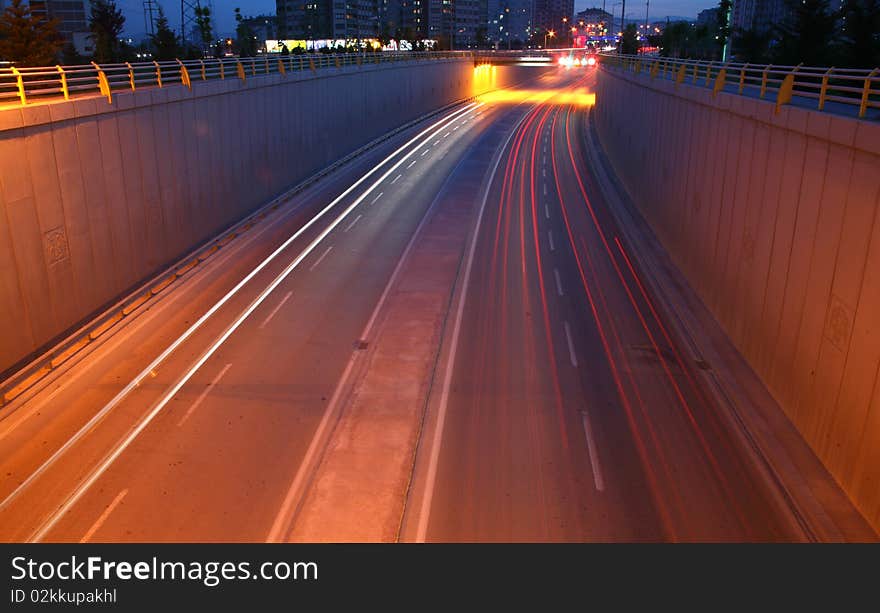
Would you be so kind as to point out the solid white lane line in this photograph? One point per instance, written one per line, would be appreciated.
(195, 326)
(558, 282)
(320, 259)
(545, 189)
(160, 404)
(546, 211)
(376, 198)
(103, 517)
(424, 152)
(203, 395)
(550, 238)
(594, 454)
(285, 512)
(411, 164)
(571, 354)
(395, 179)
(275, 310)
(431, 478)
(351, 225)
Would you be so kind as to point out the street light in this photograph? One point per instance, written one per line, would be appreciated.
(549, 33)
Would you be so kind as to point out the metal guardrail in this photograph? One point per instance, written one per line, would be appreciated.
(852, 87)
(27, 85)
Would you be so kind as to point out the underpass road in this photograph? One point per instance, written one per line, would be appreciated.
(569, 413)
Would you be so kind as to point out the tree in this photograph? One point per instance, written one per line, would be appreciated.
(28, 40)
(722, 33)
(245, 42)
(165, 43)
(106, 23)
(629, 44)
(751, 46)
(806, 36)
(860, 34)
(206, 30)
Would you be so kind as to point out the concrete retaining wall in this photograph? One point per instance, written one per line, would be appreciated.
(95, 198)
(773, 220)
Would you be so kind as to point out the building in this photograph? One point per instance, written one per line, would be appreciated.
(73, 20)
(556, 16)
(757, 15)
(708, 17)
(326, 19)
(509, 22)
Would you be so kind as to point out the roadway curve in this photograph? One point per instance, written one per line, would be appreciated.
(569, 414)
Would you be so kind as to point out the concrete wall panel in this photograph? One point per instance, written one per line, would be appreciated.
(773, 218)
(96, 198)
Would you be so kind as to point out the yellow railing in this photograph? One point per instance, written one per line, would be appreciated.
(852, 89)
(28, 85)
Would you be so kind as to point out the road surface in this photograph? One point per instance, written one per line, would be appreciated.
(569, 412)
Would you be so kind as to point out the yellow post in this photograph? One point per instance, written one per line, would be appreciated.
(20, 83)
(64, 89)
(764, 80)
(312, 65)
(654, 67)
(680, 76)
(742, 78)
(240, 70)
(158, 74)
(866, 92)
(253, 67)
(103, 83)
(720, 80)
(783, 96)
(338, 65)
(696, 71)
(204, 73)
(823, 91)
(184, 75)
(222, 72)
(708, 73)
(281, 68)
(131, 82)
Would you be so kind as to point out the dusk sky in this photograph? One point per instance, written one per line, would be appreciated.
(224, 10)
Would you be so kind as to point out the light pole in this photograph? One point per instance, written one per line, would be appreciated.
(549, 33)
(616, 4)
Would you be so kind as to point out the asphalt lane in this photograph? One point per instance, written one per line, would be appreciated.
(207, 458)
(571, 415)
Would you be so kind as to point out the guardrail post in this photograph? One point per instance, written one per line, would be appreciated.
(240, 70)
(866, 92)
(184, 75)
(783, 96)
(680, 76)
(103, 83)
(20, 84)
(204, 73)
(64, 89)
(696, 72)
(312, 65)
(158, 74)
(742, 78)
(824, 89)
(253, 67)
(338, 65)
(222, 71)
(130, 76)
(281, 69)
(654, 69)
(720, 81)
(708, 73)
(764, 80)
(267, 63)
